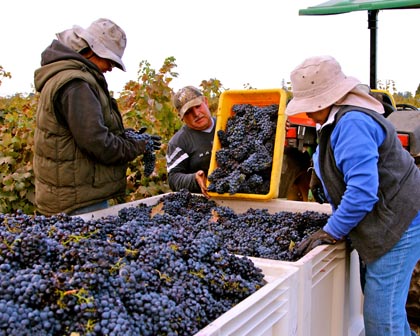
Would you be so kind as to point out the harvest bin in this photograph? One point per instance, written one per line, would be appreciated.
(272, 310)
(267, 97)
(318, 295)
(330, 301)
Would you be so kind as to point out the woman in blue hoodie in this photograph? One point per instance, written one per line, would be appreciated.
(371, 182)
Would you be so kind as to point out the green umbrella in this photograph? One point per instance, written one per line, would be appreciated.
(372, 7)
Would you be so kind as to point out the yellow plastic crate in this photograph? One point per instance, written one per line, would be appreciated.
(257, 98)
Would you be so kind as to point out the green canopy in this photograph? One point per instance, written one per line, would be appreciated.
(372, 7)
(346, 6)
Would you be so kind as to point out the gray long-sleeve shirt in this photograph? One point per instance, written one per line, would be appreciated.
(188, 152)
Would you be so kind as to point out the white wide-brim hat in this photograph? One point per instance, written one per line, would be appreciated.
(106, 39)
(317, 83)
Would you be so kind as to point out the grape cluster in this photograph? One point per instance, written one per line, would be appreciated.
(149, 156)
(244, 161)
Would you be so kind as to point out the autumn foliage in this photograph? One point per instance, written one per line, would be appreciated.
(146, 101)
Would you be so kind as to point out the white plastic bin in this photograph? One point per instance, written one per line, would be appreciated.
(355, 298)
(270, 311)
(330, 297)
(321, 290)
(325, 300)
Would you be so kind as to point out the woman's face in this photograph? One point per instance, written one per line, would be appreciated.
(321, 116)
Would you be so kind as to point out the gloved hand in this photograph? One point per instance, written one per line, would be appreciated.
(141, 138)
(320, 237)
(156, 141)
(317, 189)
(155, 138)
(142, 130)
(129, 132)
(140, 145)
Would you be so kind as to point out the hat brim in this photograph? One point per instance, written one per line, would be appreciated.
(305, 104)
(98, 47)
(193, 102)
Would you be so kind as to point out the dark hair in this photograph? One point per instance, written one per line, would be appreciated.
(85, 51)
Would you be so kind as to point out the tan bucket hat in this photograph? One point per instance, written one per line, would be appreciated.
(317, 83)
(106, 39)
(186, 98)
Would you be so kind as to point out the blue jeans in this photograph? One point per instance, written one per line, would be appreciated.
(387, 281)
(90, 208)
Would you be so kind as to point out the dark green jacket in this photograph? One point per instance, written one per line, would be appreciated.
(66, 176)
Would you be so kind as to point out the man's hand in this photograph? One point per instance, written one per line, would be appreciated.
(318, 238)
(201, 179)
(157, 141)
(142, 130)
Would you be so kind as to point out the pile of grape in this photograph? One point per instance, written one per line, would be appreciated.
(168, 269)
(244, 160)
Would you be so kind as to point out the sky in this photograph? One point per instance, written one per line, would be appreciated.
(238, 42)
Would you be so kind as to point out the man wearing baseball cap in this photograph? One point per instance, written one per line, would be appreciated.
(80, 150)
(372, 184)
(189, 150)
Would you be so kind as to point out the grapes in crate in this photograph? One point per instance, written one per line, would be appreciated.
(245, 159)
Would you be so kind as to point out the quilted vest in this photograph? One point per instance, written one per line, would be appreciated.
(67, 178)
(399, 191)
